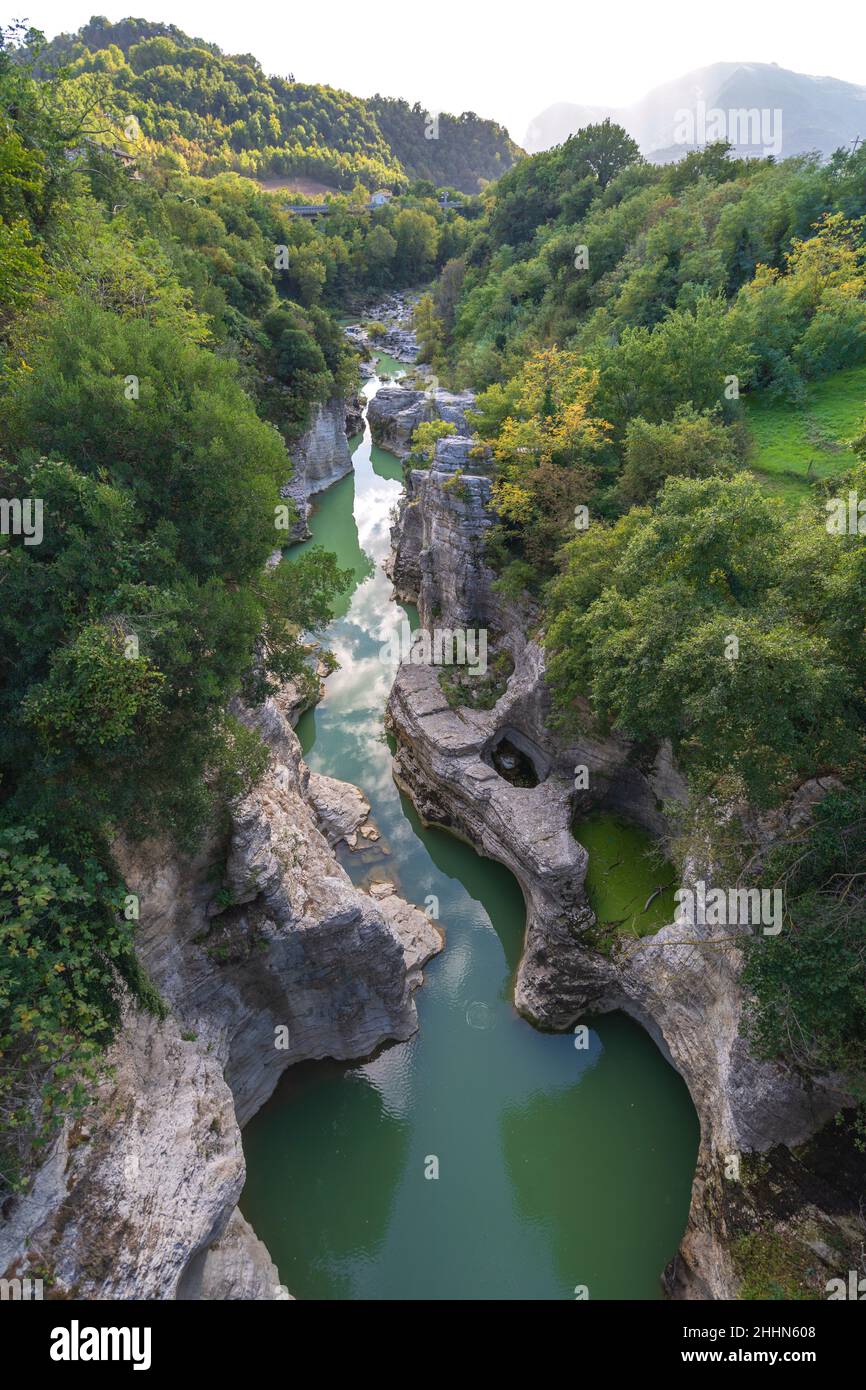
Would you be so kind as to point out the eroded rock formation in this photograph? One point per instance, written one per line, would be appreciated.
(265, 954)
(320, 457)
(682, 984)
(395, 412)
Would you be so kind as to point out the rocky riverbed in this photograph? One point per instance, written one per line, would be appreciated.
(398, 340)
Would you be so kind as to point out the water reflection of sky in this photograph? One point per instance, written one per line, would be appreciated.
(556, 1161)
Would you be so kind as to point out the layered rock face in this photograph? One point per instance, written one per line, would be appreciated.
(266, 955)
(395, 412)
(439, 561)
(321, 457)
(682, 984)
(354, 415)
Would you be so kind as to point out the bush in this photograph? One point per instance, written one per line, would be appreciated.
(66, 961)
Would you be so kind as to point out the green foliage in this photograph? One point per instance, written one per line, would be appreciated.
(465, 690)
(559, 183)
(808, 986)
(164, 336)
(465, 153)
(710, 274)
(66, 955)
(706, 315)
(642, 622)
(662, 240)
(96, 696)
(690, 445)
(808, 318)
(514, 577)
(216, 111)
(681, 361)
(22, 271)
(456, 486)
(424, 440)
(545, 444)
(771, 1267)
(428, 329)
(171, 422)
(145, 364)
(296, 600)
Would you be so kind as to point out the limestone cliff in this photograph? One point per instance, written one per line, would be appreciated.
(320, 457)
(395, 412)
(682, 984)
(265, 954)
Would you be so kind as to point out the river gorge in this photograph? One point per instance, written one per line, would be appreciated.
(432, 796)
(567, 1107)
(481, 1158)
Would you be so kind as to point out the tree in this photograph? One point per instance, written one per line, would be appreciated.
(448, 288)
(691, 445)
(544, 451)
(806, 1000)
(811, 314)
(700, 633)
(424, 440)
(146, 606)
(379, 251)
(417, 236)
(684, 360)
(428, 328)
(166, 420)
(606, 149)
(66, 964)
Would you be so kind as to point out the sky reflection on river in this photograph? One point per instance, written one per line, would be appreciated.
(557, 1166)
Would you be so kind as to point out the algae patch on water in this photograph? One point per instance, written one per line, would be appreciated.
(629, 884)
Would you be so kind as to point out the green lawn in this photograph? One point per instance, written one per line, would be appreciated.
(794, 447)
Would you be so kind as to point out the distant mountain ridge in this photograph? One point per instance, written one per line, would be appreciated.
(221, 111)
(816, 113)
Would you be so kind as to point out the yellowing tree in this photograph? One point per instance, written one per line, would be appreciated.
(552, 423)
(544, 451)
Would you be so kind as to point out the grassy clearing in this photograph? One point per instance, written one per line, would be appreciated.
(795, 447)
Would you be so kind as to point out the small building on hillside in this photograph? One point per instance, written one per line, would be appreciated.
(380, 198)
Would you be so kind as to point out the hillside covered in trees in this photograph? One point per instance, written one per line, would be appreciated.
(624, 323)
(156, 368)
(450, 151)
(215, 111)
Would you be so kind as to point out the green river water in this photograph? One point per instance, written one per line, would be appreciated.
(558, 1167)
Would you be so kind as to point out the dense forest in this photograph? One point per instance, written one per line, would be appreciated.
(214, 111)
(156, 367)
(450, 151)
(635, 335)
(629, 328)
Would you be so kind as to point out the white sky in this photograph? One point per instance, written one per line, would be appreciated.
(503, 60)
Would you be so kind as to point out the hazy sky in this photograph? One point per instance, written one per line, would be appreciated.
(501, 59)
